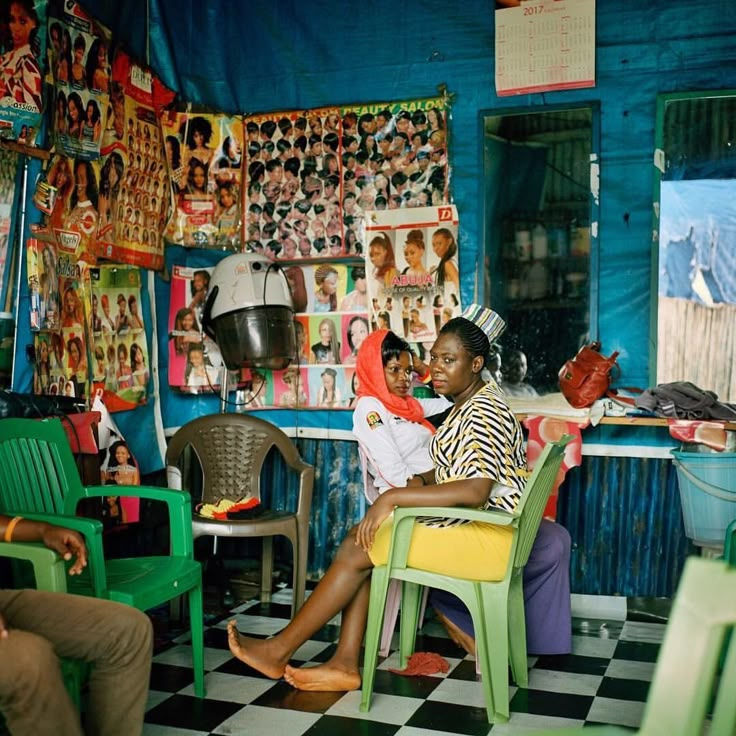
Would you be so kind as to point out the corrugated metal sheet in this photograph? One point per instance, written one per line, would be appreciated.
(625, 520)
(623, 515)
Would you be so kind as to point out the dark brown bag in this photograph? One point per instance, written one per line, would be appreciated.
(585, 378)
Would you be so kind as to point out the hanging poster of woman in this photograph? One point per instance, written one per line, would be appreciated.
(412, 269)
(80, 66)
(22, 50)
(134, 184)
(119, 349)
(204, 155)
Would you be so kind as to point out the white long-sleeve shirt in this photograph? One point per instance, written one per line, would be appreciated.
(395, 448)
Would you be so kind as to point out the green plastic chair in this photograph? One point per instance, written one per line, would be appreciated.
(494, 606)
(49, 573)
(690, 694)
(40, 480)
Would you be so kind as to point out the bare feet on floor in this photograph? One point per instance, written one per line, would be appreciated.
(259, 654)
(463, 640)
(325, 677)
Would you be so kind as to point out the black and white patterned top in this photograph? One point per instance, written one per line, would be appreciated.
(481, 439)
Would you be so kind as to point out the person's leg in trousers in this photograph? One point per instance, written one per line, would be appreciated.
(33, 699)
(116, 639)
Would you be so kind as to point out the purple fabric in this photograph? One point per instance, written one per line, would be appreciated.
(546, 594)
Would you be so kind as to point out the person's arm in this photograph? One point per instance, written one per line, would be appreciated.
(64, 541)
(471, 493)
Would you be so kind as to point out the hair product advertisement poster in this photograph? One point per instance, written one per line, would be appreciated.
(22, 49)
(78, 58)
(412, 270)
(134, 190)
(204, 152)
(119, 349)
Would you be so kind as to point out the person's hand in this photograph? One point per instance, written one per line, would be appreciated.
(68, 544)
(3, 628)
(374, 517)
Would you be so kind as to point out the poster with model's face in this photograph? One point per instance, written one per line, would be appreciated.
(22, 50)
(412, 270)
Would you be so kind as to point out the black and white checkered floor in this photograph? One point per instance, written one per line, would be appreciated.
(604, 680)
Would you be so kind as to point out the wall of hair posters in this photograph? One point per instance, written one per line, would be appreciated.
(134, 189)
(292, 207)
(43, 285)
(310, 175)
(22, 51)
(78, 56)
(204, 154)
(119, 349)
(412, 270)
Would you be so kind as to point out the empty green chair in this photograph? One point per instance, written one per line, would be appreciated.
(40, 480)
(690, 694)
(495, 607)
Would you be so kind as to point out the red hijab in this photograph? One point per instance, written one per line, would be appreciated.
(372, 382)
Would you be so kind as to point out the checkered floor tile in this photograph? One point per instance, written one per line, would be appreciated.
(604, 681)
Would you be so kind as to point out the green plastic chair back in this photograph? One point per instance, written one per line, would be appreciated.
(690, 693)
(494, 606)
(44, 484)
(49, 573)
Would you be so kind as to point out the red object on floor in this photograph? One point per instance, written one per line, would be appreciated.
(423, 663)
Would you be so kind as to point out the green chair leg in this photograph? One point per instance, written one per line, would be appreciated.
(517, 634)
(411, 602)
(374, 625)
(196, 622)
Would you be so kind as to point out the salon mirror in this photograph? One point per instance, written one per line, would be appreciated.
(540, 216)
(695, 256)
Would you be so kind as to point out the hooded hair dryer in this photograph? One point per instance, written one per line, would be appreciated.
(249, 313)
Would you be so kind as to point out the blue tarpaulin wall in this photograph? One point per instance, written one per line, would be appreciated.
(261, 55)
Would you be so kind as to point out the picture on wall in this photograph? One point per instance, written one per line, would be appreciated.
(22, 53)
(412, 272)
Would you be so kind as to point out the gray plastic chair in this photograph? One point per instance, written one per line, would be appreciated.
(227, 452)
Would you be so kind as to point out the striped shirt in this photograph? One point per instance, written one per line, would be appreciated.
(481, 439)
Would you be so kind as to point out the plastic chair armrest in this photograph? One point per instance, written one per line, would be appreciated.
(501, 518)
(91, 530)
(179, 508)
(48, 567)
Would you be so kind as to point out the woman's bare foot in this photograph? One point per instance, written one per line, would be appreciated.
(463, 640)
(259, 654)
(324, 677)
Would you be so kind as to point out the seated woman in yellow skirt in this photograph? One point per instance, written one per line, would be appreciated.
(479, 461)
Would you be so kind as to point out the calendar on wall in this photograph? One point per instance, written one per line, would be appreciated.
(544, 45)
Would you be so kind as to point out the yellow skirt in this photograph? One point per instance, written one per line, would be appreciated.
(473, 551)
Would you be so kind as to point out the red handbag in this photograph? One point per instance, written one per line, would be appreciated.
(585, 378)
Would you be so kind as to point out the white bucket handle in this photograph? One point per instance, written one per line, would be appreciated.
(712, 490)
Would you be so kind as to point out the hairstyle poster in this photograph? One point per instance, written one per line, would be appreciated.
(204, 155)
(22, 49)
(70, 347)
(74, 216)
(195, 361)
(43, 284)
(412, 270)
(119, 351)
(78, 56)
(310, 175)
(292, 206)
(330, 325)
(134, 188)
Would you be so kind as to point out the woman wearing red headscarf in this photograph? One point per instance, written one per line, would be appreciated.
(388, 422)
